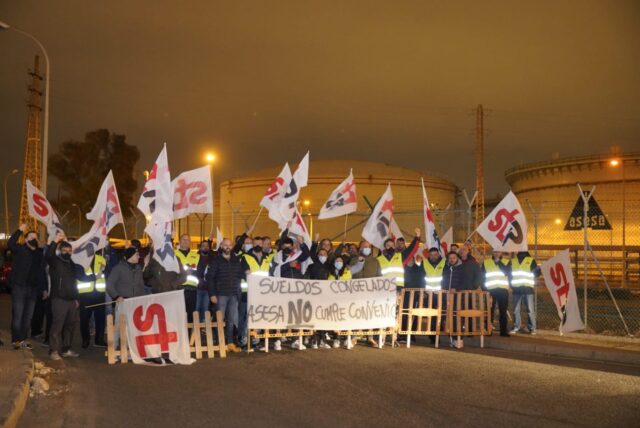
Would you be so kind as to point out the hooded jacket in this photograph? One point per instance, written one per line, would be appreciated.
(64, 275)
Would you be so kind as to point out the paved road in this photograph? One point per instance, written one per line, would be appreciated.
(364, 387)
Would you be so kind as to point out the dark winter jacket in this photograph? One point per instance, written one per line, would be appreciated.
(414, 276)
(474, 279)
(28, 266)
(317, 270)
(203, 262)
(161, 280)
(64, 275)
(225, 275)
(454, 277)
(125, 281)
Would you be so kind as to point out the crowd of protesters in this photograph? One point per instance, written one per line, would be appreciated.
(52, 296)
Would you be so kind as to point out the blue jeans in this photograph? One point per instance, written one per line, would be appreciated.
(228, 305)
(202, 303)
(531, 315)
(23, 302)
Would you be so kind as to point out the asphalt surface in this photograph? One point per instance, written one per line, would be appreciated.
(420, 386)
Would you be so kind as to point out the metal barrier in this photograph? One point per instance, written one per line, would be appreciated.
(119, 352)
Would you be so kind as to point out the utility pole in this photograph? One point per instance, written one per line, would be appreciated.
(479, 171)
(33, 148)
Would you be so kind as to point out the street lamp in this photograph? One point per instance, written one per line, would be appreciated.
(79, 218)
(615, 162)
(6, 203)
(45, 140)
(211, 157)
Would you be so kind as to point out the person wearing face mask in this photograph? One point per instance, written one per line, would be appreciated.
(454, 279)
(365, 265)
(125, 279)
(254, 262)
(497, 273)
(320, 268)
(433, 267)
(202, 298)
(392, 261)
(28, 282)
(267, 249)
(224, 276)
(189, 258)
(64, 274)
(340, 269)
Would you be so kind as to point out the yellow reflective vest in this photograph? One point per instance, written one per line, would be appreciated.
(521, 275)
(433, 278)
(346, 275)
(190, 264)
(261, 269)
(97, 269)
(494, 277)
(392, 268)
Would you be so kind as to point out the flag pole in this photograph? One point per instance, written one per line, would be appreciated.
(346, 218)
(125, 233)
(257, 217)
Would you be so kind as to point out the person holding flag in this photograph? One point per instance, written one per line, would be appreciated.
(497, 273)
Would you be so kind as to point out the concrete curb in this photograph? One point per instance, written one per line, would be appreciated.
(20, 395)
(569, 350)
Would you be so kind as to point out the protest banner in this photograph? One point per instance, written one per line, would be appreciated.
(285, 303)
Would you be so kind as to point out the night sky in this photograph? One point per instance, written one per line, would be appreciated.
(261, 82)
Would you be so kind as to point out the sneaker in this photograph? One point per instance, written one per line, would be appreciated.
(233, 348)
(55, 356)
(532, 332)
(70, 354)
(314, 345)
(336, 343)
(459, 344)
(100, 344)
(324, 345)
(26, 345)
(298, 345)
(277, 345)
(515, 331)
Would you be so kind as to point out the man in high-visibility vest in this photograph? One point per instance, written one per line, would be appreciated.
(496, 271)
(189, 259)
(92, 293)
(433, 267)
(524, 271)
(254, 262)
(392, 261)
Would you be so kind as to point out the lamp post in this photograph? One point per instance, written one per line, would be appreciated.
(79, 218)
(45, 139)
(6, 201)
(211, 157)
(620, 163)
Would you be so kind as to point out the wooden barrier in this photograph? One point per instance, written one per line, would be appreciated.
(120, 353)
(432, 313)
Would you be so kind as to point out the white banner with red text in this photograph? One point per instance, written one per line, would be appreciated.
(157, 328)
(305, 304)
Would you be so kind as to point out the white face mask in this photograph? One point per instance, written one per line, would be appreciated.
(366, 251)
(323, 259)
(338, 265)
(248, 247)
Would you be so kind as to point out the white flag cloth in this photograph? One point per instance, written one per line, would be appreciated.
(85, 247)
(381, 225)
(157, 328)
(106, 211)
(41, 210)
(192, 193)
(446, 241)
(342, 201)
(277, 189)
(298, 228)
(432, 240)
(558, 277)
(219, 237)
(505, 229)
(287, 206)
(163, 252)
(157, 196)
(106, 214)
